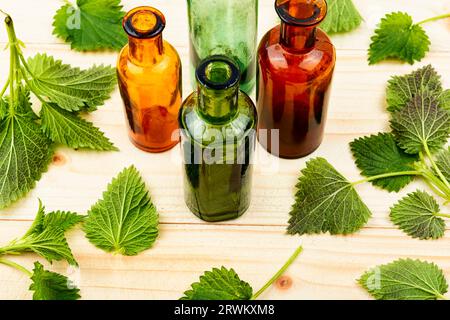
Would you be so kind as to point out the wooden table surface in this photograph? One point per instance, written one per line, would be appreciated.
(255, 245)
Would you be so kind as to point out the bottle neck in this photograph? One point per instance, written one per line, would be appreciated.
(299, 19)
(297, 38)
(218, 106)
(146, 51)
(218, 89)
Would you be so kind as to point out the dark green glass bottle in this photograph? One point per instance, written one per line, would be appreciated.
(218, 134)
(225, 27)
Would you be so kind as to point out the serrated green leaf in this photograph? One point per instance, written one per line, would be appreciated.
(63, 220)
(401, 90)
(379, 154)
(342, 16)
(24, 155)
(444, 100)
(70, 88)
(125, 221)
(71, 130)
(49, 285)
(50, 244)
(326, 202)
(46, 236)
(397, 37)
(405, 279)
(421, 123)
(91, 25)
(416, 214)
(443, 162)
(219, 284)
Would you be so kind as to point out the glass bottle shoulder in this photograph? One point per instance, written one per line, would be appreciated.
(194, 126)
(275, 58)
(169, 63)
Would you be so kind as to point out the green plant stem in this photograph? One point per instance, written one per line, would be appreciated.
(436, 168)
(12, 62)
(279, 273)
(442, 297)
(24, 76)
(443, 215)
(431, 178)
(443, 16)
(435, 189)
(4, 88)
(16, 266)
(13, 249)
(388, 175)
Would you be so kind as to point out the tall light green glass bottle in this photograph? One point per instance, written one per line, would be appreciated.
(226, 27)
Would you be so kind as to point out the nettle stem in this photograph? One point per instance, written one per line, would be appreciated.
(5, 87)
(443, 16)
(442, 215)
(388, 175)
(14, 63)
(16, 266)
(279, 273)
(436, 168)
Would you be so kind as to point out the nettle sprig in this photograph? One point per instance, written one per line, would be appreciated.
(27, 138)
(46, 238)
(420, 120)
(398, 37)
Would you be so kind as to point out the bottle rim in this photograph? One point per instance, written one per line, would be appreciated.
(156, 29)
(319, 13)
(204, 80)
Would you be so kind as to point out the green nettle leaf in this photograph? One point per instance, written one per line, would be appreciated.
(71, 130)
(379, 154)
(62, 220)
(70, 88)
(125, 221)
(444, 100)
(405, 279)
(326, 202)
(51, 286)
(50, 244)
(342, 16)
(402, 90)
(421, 123)
(219, 284)
(443, 163)
(416, 214)
(398, 37)
(46, 236)
(91, 25)
(24, 155)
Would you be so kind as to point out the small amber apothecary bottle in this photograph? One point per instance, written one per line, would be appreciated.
(149, 73)
(218, 135)
(296, 64)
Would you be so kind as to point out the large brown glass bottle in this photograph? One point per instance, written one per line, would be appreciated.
(149, 73)
(296, 64)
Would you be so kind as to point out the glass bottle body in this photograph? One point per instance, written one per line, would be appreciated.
(149, 75)
(296, 64)
(225, 27)
(218, 153)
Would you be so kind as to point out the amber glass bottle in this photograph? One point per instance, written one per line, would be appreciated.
(218, 137)
(296, 63)
(149, 73)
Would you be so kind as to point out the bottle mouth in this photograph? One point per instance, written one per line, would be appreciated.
(304, 13)
(144, 22)
(218, 72)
